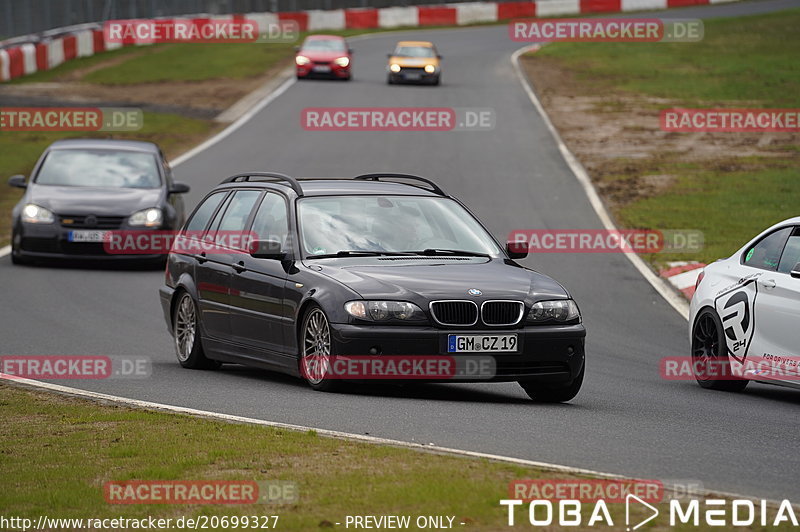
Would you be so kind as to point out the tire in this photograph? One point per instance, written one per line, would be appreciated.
(708, 345)
(437, 80)
(390, 79)
(186, 333)
(316, 350)
(19, 260)
(554, 394)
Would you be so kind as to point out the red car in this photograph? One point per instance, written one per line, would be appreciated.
(323, 56)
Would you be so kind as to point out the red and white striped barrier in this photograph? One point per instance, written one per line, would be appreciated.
(21, 60)
(683, 276)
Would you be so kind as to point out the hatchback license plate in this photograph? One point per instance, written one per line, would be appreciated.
(322, 68)
(480, 343)
(87, 236)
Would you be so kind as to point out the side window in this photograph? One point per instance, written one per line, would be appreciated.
(203, 213)
(766, 254)
(791, 253)
(237, 213)
(272, 220)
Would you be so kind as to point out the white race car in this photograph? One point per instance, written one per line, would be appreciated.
(745, 314)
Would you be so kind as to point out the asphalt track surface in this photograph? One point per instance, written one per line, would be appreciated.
(626, 419)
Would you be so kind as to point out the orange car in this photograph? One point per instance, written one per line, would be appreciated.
(416, 61)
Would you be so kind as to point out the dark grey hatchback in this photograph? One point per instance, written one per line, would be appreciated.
(82, 190)
(378, 269)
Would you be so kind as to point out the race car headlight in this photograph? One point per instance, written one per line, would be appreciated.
(33, 214)
(394, 67)
(384, 310)
(342, 61)
(559, 310)
(430, 69)
(302, 60)
(146, 218)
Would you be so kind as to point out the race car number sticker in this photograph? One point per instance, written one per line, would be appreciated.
(736, 308)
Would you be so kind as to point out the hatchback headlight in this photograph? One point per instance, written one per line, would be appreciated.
(559, 310)
(384, 310)
(342, 61)
(394, 67)
(430, 69)
(33, 214)
(146, 218)
(302, 60)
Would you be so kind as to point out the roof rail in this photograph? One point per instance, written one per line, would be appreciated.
(376, 177)
(294, 183)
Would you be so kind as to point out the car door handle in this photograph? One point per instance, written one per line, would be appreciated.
(239, 266)
(768, 283)
(201, 258)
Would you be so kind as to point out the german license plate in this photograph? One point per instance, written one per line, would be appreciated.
(87, 236)
(482, 343)
(413, 76)
(322, 68)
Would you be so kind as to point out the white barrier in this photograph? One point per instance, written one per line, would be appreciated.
(640, 5)
(393, 17)
(29, 58)
(474, 12)
(326, 20)
(555, 8)
(5, 64)
(84, 43)
(264, 20)
(55, 53)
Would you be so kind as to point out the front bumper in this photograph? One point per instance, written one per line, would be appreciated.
(51, 241)
(413, 75)
(550, 354)
(313, 70)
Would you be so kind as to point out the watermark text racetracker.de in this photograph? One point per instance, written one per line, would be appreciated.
(606, 30)
(70, 119)
(397, 119)
(731, 120)
(605, 240)
(49, 367)
(400, 367)
(200, 492)
(765, 367)
(202, 30)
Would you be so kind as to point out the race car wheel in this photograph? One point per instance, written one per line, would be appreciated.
(554, 394)
(186, 333)
(316, 350)
(710, 362)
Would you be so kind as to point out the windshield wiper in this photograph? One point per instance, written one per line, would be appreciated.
(453, 252)
(359, 253)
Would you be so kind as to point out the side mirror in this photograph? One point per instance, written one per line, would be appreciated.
(438, 57)
(389, 55)
(267, 249)
(296, 49)
(17, 181)
(517, 250)
(350, 51)
(796, 271)
(179, 188)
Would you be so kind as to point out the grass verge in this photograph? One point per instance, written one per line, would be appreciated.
(728, 185)
(57, 452)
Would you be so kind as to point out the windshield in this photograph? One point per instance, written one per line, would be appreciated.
(324, 45)
(389, 224)
(414, 51)
(99, 168)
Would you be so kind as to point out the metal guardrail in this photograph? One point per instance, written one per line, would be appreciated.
(24, 17)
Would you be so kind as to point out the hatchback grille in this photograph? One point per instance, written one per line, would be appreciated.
(100, 222)
(502, 312)
(455, 312)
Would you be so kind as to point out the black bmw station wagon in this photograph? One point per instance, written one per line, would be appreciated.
(381, 266)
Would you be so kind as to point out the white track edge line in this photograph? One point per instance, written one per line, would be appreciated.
(434, 449)
(666, 291)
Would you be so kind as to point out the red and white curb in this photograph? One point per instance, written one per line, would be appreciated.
(64, 44)
(683, 276)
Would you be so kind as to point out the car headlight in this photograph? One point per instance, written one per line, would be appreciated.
(394, 67)
(559, 310)
(33, 214)
(384, 310)
(302, 60)
(147, 218)
(342, 61)
(430, 69)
